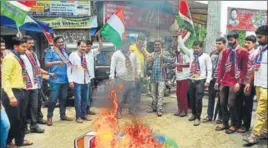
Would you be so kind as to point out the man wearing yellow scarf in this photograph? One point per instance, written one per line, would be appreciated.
(142, 54)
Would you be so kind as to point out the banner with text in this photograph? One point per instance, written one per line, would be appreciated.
(71, 23)
(61, 9)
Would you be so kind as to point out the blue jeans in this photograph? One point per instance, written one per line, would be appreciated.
(81, 95)
(57, 91)
(4, 128)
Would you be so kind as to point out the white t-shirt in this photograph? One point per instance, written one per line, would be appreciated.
(260, 76)
(76, 72)
(30, 70)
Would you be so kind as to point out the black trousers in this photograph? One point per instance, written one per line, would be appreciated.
(196, 94)
(15, 116)
(212, 93)
(39, 116)
(31, 107)
(244, 107)
(228, 99)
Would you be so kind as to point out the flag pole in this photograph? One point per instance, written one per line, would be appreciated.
(19, 33)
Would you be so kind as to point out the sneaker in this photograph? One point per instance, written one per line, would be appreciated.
(192, 118)
(26, 131)
(177, 114)
(206, 120)
(49, 122)
(42, 121)
(183, 114)
(37, 130)
(218, 121)
(197, 122)
(91, 112)
(66, 118)
(87, 118)
(79, 120)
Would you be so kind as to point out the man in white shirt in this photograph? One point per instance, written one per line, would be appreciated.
(79, 79)
(125, 70)
(200, 76)
(34, 71)
(92, 54)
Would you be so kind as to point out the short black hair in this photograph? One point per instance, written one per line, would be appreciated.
(221, 39)
(89, 42)
(158, 41)
(81, 41)
(199, 43)
(27, 38)
(18, 41)
(2, 40)
(251, 38)
(232, 34)
(233, 9)
(262, 30)
(57, 38)
(124, 42)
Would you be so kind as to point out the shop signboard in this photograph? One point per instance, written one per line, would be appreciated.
(245, 19)
(71, 23)
(61, 9)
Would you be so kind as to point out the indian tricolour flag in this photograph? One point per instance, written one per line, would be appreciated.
(15, 11)
(184, 21)
(114, 29)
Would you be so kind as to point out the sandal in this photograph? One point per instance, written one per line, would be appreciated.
(242, 130)
(252, 139)
(231, 130)
(25, 143)
(220, 128)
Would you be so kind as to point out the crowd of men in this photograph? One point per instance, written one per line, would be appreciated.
(232, 73)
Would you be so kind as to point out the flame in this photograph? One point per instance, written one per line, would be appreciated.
(136, 134)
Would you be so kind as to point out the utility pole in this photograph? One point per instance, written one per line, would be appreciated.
(213, 25)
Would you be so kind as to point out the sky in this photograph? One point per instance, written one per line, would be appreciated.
(261, 5)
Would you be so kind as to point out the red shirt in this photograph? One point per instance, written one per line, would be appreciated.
(228, 78)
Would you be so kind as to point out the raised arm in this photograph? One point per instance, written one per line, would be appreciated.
(112, 67)
(181, 45)
(97, 50)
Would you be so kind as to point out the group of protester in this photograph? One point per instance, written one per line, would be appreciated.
(21, 82)
(232, 73)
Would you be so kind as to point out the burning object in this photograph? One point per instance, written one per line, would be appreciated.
(108, 134)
